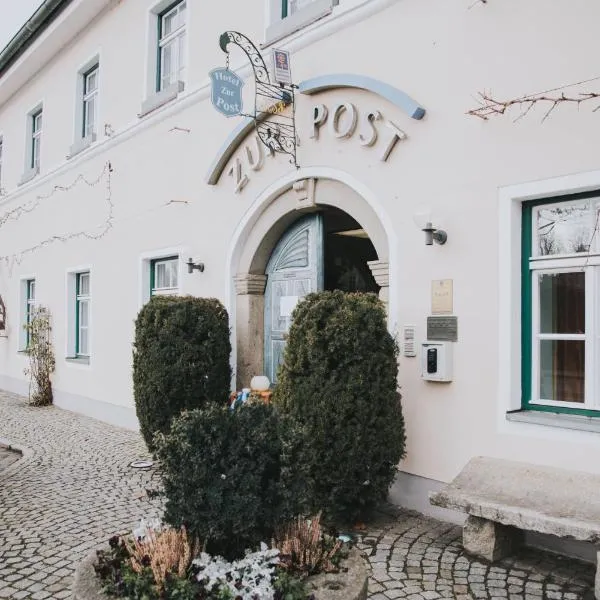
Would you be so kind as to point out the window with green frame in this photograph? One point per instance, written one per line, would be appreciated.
(29, 306)
(171, 45)
(164, 276)
(561, 305)
(82, 314)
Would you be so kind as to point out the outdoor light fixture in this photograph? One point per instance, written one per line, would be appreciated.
(191, 265)
(432, 234)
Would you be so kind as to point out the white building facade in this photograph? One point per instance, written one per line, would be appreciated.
(116, 171)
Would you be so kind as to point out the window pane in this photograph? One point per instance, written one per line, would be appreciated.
(84, 284)
(565, 229)
(562, 302)
(31, 292)
(167, 64)
(160, 275)
(562, 370)
(89, 110)
(91, 82)
(37, 122)
(172, 273)
(83, 313)
(181, 52)
(296, 5)
(83, 342)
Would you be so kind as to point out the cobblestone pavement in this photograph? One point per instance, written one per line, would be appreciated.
(69, 494)
(8, 458)
(74, 489)
(418, 558)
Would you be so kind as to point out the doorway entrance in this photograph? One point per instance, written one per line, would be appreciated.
(327, 250)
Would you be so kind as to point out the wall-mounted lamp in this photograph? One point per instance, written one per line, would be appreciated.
(432, 234)
(191, 265)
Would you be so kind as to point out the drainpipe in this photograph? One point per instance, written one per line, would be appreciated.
(40, 19)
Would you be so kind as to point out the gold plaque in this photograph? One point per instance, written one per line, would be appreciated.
(441, 297)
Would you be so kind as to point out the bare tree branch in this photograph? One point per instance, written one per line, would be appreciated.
(490, 106)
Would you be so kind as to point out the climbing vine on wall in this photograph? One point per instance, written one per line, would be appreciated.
(41, 356)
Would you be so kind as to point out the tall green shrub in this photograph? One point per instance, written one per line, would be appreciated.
(221, 474)
(338, 381)
(180, 359)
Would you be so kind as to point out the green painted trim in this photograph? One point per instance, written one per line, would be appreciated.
(284, 9)
(526, 308)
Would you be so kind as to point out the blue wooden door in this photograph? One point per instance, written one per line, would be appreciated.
(294, 270)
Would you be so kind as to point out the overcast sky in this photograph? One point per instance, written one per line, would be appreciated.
(13, 14)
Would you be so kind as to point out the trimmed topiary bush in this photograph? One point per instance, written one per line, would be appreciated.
(221, 474)
(180, 359)
(338, 381)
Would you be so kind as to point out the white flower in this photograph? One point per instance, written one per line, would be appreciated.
(248, 578)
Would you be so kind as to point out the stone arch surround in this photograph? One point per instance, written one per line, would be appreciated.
(273, 211)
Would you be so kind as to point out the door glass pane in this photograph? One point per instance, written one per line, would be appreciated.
(562, 370)
(565, 229)
(562, 302)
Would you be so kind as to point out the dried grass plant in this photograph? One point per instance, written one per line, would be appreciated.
(304, 547)
(165, 551)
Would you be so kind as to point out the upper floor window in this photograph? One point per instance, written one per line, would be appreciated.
(36, 140)
(289, 16)
(1, 157)
(561, 305)
(90, 101)
(171, 45)
(164, 276)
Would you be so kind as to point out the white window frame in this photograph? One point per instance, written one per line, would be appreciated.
(153, 96)
(145, 265)
(82, 300)
(36, 139)
(81, 139)
(90, 98)
(174, 37)
(30, 168)
(510, 215)
(73, 357)
(591, 337)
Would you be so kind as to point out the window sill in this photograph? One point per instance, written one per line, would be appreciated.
(78, 360)
(284, 27)
(29, 175)
(81, 144)
(161, 98)
(564, 421)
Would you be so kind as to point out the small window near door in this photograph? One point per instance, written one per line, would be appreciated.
(164, 275)
(82, 315)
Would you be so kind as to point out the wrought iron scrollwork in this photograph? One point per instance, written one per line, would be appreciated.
(275, 129)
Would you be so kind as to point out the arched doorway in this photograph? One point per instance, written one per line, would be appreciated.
(326, 250)
(354, 254)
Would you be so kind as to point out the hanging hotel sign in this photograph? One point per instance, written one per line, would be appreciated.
(226, 92)
(275, 125)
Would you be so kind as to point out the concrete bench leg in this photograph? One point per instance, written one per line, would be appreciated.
(489, 540)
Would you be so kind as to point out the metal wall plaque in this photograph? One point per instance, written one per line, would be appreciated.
(442, 329)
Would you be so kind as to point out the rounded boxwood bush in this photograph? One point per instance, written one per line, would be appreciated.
(221, 475)
(338, 381)
(180, 359)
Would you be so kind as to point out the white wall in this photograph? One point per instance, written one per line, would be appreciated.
(441, 53)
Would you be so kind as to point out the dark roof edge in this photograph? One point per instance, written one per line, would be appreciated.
(32, 29)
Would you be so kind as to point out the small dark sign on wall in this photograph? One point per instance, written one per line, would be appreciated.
(442, 329)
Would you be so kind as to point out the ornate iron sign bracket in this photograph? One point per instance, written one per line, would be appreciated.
(275, 129)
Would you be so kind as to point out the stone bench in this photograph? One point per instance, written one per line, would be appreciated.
(503, 499)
